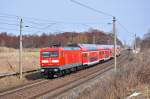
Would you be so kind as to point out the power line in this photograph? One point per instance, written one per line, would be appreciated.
(48, 26)
(51, 24)
(80, 22)
(8, 29)
(40, 22)
(9, 24)
(36, 23)
(47, 21)
(43, 21)
(12, 29)
(7, 16)
(60, 22)
(123, 27)
(24, 17)
(87, 25)
(8, 19)
(93, 9)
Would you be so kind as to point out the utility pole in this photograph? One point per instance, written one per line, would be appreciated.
(94, 39)
(135, 42)
(147, 92)
(115, 43)
(72, 37)
(20, 50)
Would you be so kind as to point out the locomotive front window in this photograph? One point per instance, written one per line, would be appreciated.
(49, 54)
(54, 54)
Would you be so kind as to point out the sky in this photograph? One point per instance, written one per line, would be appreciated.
(63, 15)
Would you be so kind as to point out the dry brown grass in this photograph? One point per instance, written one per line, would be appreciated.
(133, 76)
(9, 59)
(9, 62)
(12, 81)
(5, 49)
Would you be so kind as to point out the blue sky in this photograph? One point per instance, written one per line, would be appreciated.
(64, 15)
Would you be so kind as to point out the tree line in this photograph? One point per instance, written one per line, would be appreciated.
(48, 39)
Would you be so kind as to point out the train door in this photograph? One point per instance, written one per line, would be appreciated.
(101, 55)
(107, 56)
(85, 58)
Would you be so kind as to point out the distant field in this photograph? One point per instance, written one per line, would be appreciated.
(9, 59)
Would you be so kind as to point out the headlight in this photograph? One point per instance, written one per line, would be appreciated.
(45, 61)
(55, 70)
(42, 70)
(55, 61)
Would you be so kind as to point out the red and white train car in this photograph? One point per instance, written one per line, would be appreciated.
(108, 51)
(90, 54)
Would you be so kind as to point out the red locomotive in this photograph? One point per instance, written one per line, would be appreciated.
(57, 61)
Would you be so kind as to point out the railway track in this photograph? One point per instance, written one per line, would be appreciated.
(52, 88)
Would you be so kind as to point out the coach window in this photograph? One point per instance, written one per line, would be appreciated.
(101, 53)
(111, 52)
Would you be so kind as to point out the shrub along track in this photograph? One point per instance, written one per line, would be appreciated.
(52, 88)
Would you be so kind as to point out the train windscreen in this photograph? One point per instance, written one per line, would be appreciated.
(49, 54)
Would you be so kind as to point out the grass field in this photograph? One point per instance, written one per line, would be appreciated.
(9, 59)
(132, 77)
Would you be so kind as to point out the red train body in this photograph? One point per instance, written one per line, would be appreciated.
(57, 61)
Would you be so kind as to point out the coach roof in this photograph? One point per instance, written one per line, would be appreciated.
(88, 46)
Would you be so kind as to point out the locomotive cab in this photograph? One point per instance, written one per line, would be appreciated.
(49, 60)
(55, 61)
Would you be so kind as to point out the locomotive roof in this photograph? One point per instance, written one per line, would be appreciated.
(71, 48)
(65, 48)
